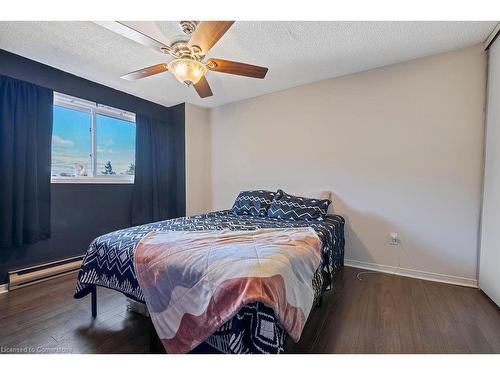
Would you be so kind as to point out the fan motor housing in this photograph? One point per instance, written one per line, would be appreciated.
(188, 27)
(181, 50)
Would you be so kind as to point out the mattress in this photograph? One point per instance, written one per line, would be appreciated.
(254, 329)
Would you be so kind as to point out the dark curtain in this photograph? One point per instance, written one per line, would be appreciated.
(25, 154)
(155, 171)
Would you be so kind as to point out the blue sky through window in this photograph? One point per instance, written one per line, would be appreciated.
(116, 144)
(72, 144)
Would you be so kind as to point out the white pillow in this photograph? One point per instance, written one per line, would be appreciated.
(316, 194)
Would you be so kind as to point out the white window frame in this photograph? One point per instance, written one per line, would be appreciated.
(71, 102)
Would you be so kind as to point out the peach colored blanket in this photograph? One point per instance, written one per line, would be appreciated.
(193, 282)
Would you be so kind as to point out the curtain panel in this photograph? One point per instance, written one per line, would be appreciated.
(25, 157)
(155, 171)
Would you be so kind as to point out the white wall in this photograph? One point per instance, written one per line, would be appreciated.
(490, 240)
(400, 146)
(198, 160)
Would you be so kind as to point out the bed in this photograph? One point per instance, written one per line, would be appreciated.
(109, 262)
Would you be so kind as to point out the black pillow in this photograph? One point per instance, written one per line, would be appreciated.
(286, 206)
(253, 202)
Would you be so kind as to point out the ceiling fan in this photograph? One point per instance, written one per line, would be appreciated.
(189, 65)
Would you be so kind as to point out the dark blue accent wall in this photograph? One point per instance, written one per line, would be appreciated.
(81, 212)
(177, 117)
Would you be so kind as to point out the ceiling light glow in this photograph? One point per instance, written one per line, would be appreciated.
(187, 71)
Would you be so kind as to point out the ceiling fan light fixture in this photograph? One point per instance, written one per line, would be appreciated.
(187, 71)
(189, 66)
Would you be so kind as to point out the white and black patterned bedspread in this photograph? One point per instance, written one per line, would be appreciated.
(109, 263)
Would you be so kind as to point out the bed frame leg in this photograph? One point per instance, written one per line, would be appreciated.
(155, 345)
(152, 341)
(93, 298)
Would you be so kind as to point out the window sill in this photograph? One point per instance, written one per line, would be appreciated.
(91, 180)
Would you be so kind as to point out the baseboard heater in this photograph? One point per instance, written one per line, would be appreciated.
(35, 274)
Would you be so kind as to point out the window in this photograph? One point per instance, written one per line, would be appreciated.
(91, 142)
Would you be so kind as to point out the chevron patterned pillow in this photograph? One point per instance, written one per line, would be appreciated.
(253, 202)
(286, 206)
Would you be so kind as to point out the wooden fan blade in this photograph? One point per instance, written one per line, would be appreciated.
(145, 72)
(133, 34)
(203, 88)
(207, 33)
(233, 67)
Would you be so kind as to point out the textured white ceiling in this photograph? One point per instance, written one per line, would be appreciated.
(295, 52)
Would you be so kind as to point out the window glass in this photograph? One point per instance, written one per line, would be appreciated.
(71, 143)
(115, 146)
(91, 143)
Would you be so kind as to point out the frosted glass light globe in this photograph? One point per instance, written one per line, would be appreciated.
(187, 71)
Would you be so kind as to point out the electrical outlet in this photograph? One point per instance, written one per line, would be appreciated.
(394, 239)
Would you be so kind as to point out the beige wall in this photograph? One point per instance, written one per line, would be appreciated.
(198, 160)
(401, 148)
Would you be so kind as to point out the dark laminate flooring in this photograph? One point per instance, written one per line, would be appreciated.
(380, 314)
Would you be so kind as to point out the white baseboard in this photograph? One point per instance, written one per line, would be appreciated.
(416, 274)
(4, 288)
